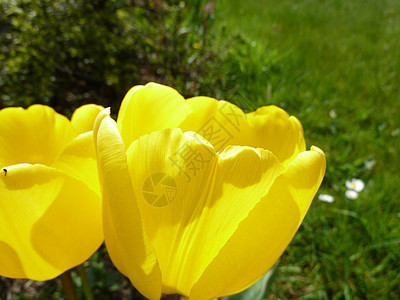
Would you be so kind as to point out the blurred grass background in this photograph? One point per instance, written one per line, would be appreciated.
(333, 64)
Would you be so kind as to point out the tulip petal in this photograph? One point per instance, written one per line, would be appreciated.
(150, 108)
(78, 160)
(223, 123)
(273, 129)
(192, 200)
(263, 236)
(83, 117)
(127, 243)
(220, 122)
(33, 135)
(34, 243)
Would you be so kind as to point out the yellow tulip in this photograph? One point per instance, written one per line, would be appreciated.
(200, 199)
(50, 201)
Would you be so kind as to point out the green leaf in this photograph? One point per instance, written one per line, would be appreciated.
(260, 289)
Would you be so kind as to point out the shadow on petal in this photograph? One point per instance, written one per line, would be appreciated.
(238, 161)
(10, 264)
(70, 230)
(254, 247)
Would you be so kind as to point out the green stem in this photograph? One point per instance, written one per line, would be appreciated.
(68, 285)
(87, 290)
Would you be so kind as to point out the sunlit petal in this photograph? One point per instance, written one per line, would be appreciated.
(78, 160)
(192, 200)
(273, 129)
(49, 222)
(83, 117)
(264, 234)
(223, 124)
(220, 122)
(126, 240)
(34, 135)
(149, 108)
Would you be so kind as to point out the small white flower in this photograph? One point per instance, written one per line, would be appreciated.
(350, 194)
(333, 114)
(326, 198)
(355, 184)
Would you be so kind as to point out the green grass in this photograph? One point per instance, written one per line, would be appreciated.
(317, 59)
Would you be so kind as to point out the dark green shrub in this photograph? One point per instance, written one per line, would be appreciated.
(67, 53)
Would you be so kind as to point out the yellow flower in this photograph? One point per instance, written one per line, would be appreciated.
(200, 199)
(50, 205)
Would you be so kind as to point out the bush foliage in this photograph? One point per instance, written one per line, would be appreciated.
(67, 53)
